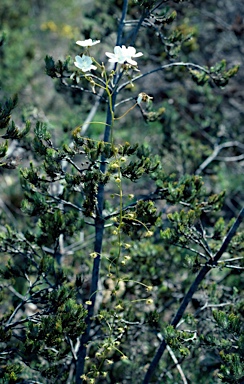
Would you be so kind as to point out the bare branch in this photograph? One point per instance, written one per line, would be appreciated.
(170, 65)
(177, 364)
(193, 288)
(230, 158)
(124, 101)
(234, 267)
(232, 259)
(215, 153)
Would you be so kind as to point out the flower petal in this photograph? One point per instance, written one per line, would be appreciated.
(131, 51)
(87, 43)
(131, 62)
(138, 54)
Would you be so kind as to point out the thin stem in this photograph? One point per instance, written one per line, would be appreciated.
(20, 305)
(99, 231)
(81, 89)
(99, 220)
(124, 101)
(232, 259)
(234, 267)
(124, 114)
(193, 288)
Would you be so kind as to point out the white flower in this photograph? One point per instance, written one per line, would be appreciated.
(123, 54)
(84, 63)
(87, 43)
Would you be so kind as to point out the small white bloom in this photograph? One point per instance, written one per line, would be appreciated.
(84, 63)
(139, 99)
(87, 43)
(123, 54)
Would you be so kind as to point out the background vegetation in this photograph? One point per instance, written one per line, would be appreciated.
(162, 191)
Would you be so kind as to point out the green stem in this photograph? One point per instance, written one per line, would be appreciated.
(99, 221)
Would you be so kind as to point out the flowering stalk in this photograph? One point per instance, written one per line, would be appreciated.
(99, 229)
(124, 56)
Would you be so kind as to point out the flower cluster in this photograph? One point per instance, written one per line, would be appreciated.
(121, 55)
(84, 62)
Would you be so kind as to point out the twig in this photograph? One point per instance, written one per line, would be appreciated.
(152, 197)
(177, 364)
(234, 267)
(214, 17)
(70, 342)
(176, 64)
(64, 202)
(206, 305)
(80, 88)
(230, 158)
(23, 298)
(232, 259)
(192, 250)
(193, 288)
(86, 76)
(215, 153)
(14, 312)
(124, 101)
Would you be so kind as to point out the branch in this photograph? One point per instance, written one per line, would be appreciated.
(206, 305)
(145, 14)
(121, 23)
(193, 250)
(234, 267)
(82, 89)
(20, 305)
(124, 101)
(193, 288)
(176, 64)
(177, 364)
(215, 153)
(86, 77)
(229, 237)
(230, 158)
(232, 259)
(152, 197)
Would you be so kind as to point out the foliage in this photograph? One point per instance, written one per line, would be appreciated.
(124, 250)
